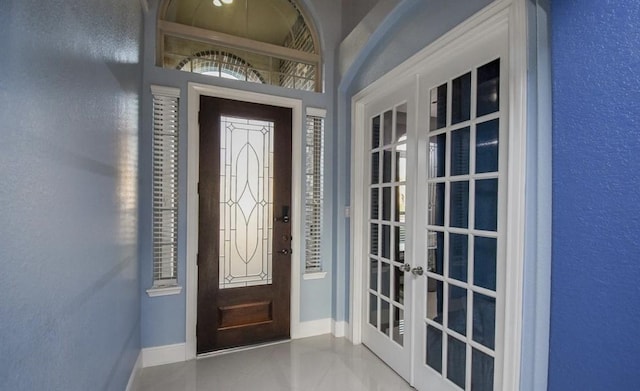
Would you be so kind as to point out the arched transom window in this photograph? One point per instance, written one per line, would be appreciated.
(260, 41)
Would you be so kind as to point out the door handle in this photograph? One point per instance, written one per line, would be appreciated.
(286, 251)
(417, 271)
(405, 268)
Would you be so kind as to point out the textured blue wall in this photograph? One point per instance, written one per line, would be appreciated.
(413, 26)
(595, 308)
(69, 91)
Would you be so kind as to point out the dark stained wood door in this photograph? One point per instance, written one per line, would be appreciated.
(244, 256)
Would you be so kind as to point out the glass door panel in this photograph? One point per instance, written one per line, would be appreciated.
(387, 308)
(246, 202)
(462, 180)
(387, 218)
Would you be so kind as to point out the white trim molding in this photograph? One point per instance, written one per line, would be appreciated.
(316, 112)
(161, 355)
(501, 13)
(338, 328)
(313, 328)
(314, 276)
(516, 179)
(165, 91)
(134, 378)
(166, 291)
(195, 90)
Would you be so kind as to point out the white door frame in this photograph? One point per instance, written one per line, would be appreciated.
(499, 13)
(195, 90)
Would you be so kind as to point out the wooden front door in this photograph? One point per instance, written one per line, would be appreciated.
(244, 260)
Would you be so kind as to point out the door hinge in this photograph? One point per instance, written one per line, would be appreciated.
(198, 259)
(198, 187)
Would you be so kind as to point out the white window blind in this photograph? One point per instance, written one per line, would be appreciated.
(314, 189)
(165, 186)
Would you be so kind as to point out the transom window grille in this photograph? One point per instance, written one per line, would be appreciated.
(165, 186)
(314, 190)
(258, 41)
(221, 64)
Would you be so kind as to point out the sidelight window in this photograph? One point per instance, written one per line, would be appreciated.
(165, 186)
(314, 190)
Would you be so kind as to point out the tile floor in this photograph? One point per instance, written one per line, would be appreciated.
(311, 364)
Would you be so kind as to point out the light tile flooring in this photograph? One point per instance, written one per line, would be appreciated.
(311, 364)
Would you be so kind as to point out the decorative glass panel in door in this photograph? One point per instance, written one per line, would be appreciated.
(246, 205)
(387, 297)
(459, 297)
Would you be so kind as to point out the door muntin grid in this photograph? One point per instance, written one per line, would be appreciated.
(463, 177)
(387, 231)
(246, 202)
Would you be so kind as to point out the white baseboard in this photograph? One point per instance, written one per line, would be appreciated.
(312, 328)
(161, 355)
(338, 328)
(132, 385)
(169, 354)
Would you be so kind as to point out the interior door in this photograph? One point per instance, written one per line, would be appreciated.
(387, 310)
(459, 317)
(244, 259)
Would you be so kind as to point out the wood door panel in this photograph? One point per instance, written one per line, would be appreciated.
(248, 314)
(241, 315)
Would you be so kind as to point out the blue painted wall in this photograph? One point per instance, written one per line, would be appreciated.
(70, 77)
(595, 312)
(163, 318)
(412, 26)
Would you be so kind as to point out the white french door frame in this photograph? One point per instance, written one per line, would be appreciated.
(404, 93)
(500, 14)
(195, 90)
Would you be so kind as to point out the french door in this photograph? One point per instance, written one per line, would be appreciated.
(436, 222)
(387, 326)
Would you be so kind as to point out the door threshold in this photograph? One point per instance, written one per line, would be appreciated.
(222, 352)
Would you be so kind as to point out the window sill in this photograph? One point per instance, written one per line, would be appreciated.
(164, 291)
(314, 276)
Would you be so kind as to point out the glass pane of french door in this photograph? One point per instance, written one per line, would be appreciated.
(387, 295)
(463, 180)
(387, 192)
